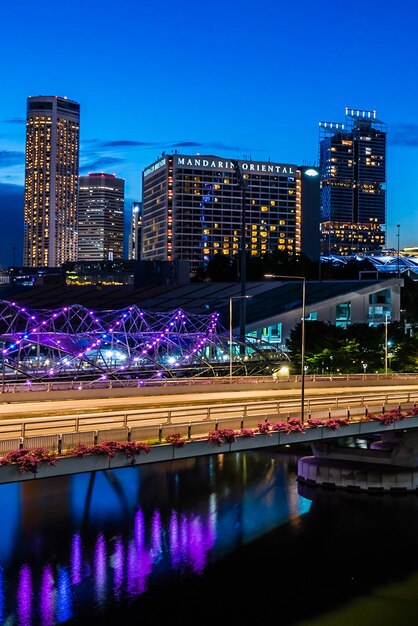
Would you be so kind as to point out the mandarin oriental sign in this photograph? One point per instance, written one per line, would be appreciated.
(154, 167)
(215, 163)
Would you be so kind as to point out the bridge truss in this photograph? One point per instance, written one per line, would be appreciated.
(74, 342)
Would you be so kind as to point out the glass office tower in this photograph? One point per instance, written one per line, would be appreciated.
(353, 184)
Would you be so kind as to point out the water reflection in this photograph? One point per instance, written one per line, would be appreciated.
(117, 535)
(197, 534)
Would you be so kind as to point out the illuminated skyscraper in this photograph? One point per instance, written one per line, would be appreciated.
(100, 217)
(353, 183)
(51, 181)
(192, 209)
(134, 244)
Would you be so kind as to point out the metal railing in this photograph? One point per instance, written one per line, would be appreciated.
(191, 421)
(71, 385)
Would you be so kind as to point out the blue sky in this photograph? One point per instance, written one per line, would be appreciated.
(237, 79)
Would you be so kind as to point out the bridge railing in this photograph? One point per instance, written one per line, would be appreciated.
(82, 385)
(156, 424)
(248, 411)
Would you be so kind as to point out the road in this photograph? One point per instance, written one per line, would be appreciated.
(24, 410)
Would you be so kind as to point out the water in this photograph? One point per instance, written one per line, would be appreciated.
(219, 539)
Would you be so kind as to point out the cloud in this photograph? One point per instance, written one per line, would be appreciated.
(126, 143)
(207, 146)
(11, 157)
(186, 144)
(404, 135)
(15, 120)
(100, 164)
(97, 145)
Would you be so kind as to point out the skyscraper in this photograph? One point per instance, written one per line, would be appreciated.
(192, 209)
(100, 217)
(51, 181)
(353, 183)
(134, 243)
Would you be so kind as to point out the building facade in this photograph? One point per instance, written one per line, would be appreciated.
(353, 183)
(100, 217)
(310, 200)
(51, 181)
(134, 242)
(192, 208)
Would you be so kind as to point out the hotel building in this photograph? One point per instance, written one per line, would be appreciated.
(100, 217)
(353, 184)
(192, 208)
(51, 181)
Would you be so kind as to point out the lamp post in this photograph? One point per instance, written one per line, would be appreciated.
(243, 185)
(386, 344)
(302, 353)
(230, 331)
(398, 236)
(3, 369)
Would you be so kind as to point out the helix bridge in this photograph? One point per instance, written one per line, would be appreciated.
(74, 342)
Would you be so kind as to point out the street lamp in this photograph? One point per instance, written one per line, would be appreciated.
(302, 354)
(3, 368)
(230, 331)
(398, 236)
(386, 343)
(243, 185)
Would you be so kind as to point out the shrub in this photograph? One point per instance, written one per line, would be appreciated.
(336, 422)
(247, 432)
(215, 437)
(316, 423)
(264, 427)
(176, 440)
(228, 435)
(28, 460)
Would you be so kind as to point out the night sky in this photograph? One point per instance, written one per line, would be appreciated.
(235, 79)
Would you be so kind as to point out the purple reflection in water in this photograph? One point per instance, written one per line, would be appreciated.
(118, 565)
(174, 540)
(24, 596)
(139, 566)
(156, 530)
(197, 546)
(139, 529)
(190, 539)
(100, 569)
(184, 539)
(47, 600)
(76, 559)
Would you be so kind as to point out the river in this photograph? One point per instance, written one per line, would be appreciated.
(229, 538)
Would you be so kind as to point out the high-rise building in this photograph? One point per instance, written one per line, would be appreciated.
(353, 183)
(134, 244)
(310, 200)
(192, 208)
(100, 217)
(51, 181)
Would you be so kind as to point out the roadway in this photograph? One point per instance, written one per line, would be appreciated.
(73, 406)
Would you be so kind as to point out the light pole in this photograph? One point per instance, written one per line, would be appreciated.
(386, 344)
(3, 369)
(230, 331)
(243, 185)
(302, 353)
(398, 236)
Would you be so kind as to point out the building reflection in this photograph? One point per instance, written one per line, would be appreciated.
(120, 532)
